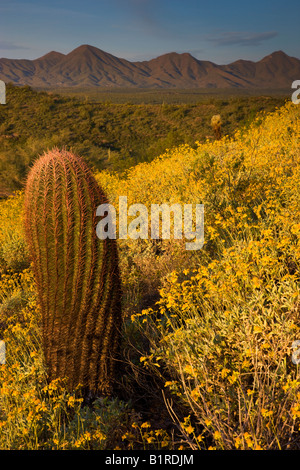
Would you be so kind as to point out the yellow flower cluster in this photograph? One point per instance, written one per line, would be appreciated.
(228, 320)
(226, 317)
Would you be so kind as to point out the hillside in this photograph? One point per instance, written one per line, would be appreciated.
(207, 357)
(108, 135)
(88, 66)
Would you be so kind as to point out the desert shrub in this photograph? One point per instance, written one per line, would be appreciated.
(222, 333)
(14, 254)
(213, 330)
(225, 336)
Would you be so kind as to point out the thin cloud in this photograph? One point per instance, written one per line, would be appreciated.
(242, 38)
(147, 16)
(195, 52)
(10, 46)
(144, 10)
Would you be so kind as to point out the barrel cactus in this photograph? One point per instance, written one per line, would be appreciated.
(76, 273)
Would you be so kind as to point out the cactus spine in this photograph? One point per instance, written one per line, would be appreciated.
(76, 274)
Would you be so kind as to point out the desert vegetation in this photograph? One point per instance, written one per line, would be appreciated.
(206, 336)
(110, 134)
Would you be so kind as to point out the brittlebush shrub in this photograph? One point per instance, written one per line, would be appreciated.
(215, 326)
(225, 337)
(223, 330)
(14, 254)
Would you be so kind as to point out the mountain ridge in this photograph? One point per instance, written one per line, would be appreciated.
(90, 66)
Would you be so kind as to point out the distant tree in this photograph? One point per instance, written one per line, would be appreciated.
(216, 123)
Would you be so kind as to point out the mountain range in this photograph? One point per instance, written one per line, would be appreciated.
(88, 66)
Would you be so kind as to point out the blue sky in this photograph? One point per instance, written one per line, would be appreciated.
(216, 30)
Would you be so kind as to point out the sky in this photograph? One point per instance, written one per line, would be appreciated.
(218, 30)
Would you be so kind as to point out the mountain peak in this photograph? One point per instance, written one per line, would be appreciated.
(48, 60)
(52, 55)
(276, 55)
(174, 55)
(87, 49)
(279, 53)
(84, 47)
